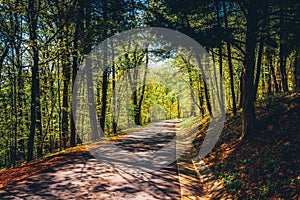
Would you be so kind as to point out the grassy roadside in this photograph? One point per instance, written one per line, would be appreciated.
(196, 179)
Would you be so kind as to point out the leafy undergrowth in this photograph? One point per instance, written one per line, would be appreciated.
(266, 165)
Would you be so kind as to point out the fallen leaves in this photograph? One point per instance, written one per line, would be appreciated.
(19, 173)
(266, 166)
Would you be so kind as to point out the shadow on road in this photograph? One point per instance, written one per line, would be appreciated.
(85, 177)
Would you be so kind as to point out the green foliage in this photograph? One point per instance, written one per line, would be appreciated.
(68, 30)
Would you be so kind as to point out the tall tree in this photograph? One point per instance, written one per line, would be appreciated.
(248, 114)
(105, 75)
(77, 30)
(229, 59)
(283, 46)
(35, 113)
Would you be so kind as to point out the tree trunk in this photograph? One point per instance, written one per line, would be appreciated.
(297, 69)
(74, 74)
(248, 114)
(241, 90)
(59, 104)
(114, 96)
(104, 78)
(134, 98)
(73, 127)
(201, 98)
(258, 67)
(282, 50)
(230, 63)
(143, 87)
(2, 57)
(133, 83)
(14, 111)
(272, 71)
(193, 112)
(35, 112)
(103, 100)
(91, 101)
(219, 89)
(65, 105)
(208, 105)
(178, 108)
(207, 100)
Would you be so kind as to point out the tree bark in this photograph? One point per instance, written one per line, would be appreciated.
(248, 114)
(241, 90)
(272, 71)
(207, 100)
(297, 69)
(104, 77)
(193, 112)
(269, 80)
(143, 88)
(201, 98)
(282, 50)
(2, 57)
(258, 67)
(114, 96)
(65, 104)
(35, 113)
(74, 74)
(230, 63)
(91, 101)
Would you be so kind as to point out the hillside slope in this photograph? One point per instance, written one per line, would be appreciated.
(266, 165)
